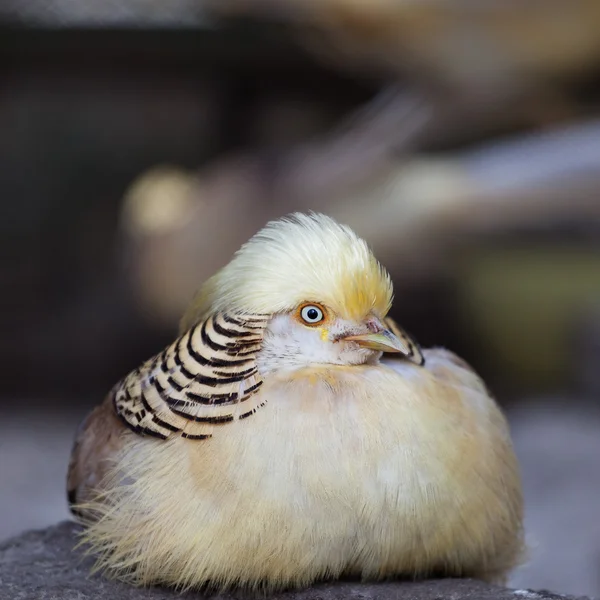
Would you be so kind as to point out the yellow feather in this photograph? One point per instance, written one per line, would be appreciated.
(356, 470)
(296, 259)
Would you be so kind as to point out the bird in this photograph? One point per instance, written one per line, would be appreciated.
(294, 433)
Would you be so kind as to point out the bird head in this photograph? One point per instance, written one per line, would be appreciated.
(324, 292)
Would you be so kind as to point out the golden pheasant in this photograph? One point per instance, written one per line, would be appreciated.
(294, 433)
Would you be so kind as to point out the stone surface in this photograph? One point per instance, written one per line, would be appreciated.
(42, 565)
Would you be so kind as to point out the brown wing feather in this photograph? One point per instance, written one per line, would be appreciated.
(98, 438)
(206, 378)
(415, 355)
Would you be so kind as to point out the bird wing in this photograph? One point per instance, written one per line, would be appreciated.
(97, 440)
(414, 354)
(207, 377)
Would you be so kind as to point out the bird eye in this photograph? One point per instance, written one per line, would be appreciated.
(312, 314)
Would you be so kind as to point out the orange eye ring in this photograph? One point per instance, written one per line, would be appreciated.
(311, 314)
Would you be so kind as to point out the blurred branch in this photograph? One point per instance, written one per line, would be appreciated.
(460, 44)
(412, 212)
(389, 127)
(420, 211)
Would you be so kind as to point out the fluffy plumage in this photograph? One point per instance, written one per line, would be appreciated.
(312, 454)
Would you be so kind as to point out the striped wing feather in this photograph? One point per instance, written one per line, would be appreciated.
(415, 355)
(207, 377)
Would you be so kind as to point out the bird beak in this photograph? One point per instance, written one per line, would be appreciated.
(384, 341)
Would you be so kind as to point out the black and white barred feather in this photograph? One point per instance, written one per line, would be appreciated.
(414, 350)
(206, 378)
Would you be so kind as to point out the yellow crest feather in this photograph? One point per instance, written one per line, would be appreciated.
(296, 259)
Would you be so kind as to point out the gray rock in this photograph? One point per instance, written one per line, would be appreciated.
(42, 565)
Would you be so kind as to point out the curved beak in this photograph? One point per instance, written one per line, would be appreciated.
(384, 341)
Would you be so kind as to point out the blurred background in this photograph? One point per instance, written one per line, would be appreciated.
(141, 142)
